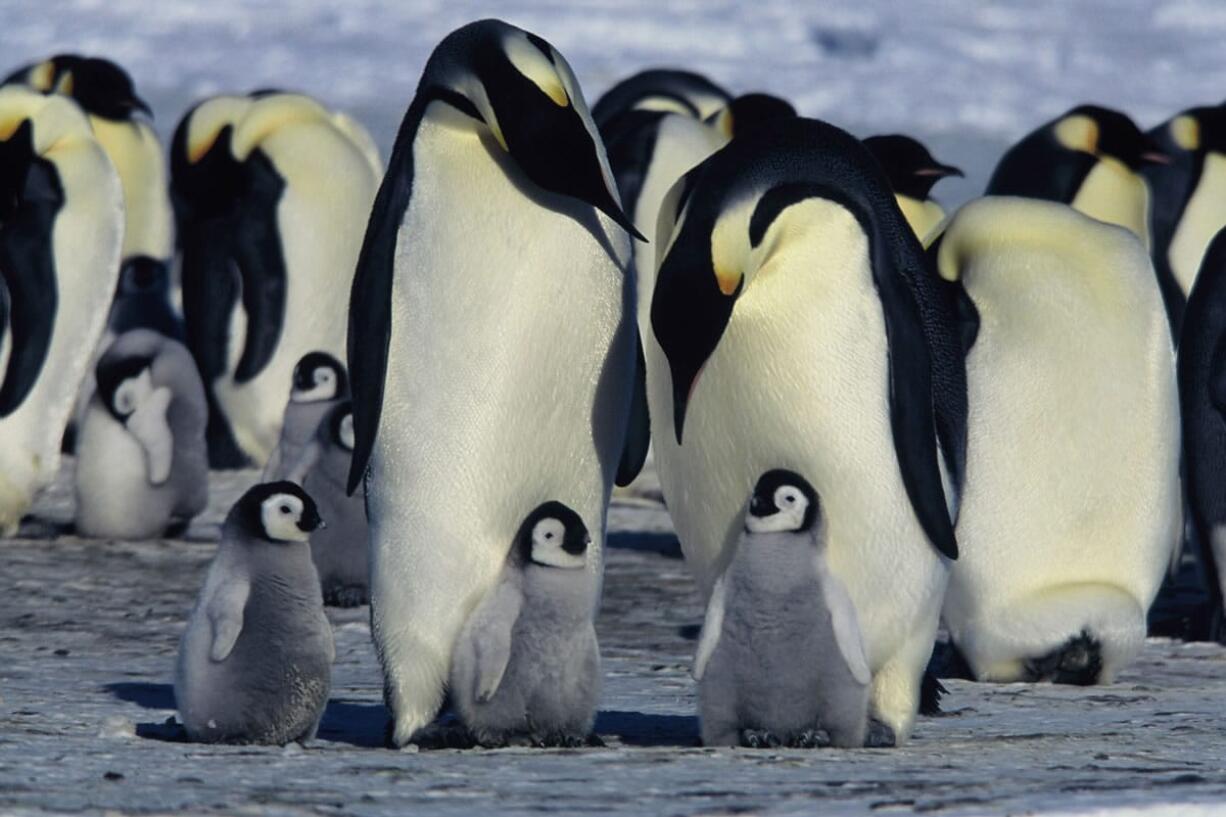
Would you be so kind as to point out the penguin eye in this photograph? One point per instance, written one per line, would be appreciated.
(789, 498)
(549, 535)
(285, 509)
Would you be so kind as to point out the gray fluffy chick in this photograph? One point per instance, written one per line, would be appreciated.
(320, 383)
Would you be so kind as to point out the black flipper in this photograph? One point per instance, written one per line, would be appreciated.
(931, 692)
(261, 262)
(638, 425)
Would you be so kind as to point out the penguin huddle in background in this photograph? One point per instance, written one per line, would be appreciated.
(61, 233)
(912, 172)
(271, 193)
(661, 89)
(142, 466)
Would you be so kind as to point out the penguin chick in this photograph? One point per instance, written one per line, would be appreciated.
(340, 549)
(526, 662)
(142, 465)
(320, 383)
(912, 172)
(256, 658)
(781, 655)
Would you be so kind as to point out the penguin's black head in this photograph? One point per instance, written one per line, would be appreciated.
(1196, 130)
(277, 512)
(750, 111)
(528, 97)
(340, 426)
(143, 275)
(782, 501)
(553, 535)
(98, 85)
(318, 376)
(908, 165)
(1105, 132)
(123, 384)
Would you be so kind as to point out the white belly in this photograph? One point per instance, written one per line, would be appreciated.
(1113, 193)
(114, 497)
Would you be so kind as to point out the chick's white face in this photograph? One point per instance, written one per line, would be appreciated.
(791, 505)
(547, 538)
(345, 432)
(132, 393)
(324, 388)
(280, 514)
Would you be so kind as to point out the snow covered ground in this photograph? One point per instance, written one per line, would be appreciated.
(88, 631)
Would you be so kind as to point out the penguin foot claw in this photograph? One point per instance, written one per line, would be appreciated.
(879, 736)
(759, 739)
(811, 739)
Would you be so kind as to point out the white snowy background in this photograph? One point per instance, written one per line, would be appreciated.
(88, 630)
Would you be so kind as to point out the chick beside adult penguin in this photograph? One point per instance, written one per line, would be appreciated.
(320, 383)
(912, 172)
(142, 464)
(255, 662)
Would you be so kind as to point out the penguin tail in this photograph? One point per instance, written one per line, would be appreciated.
(1079, 661)
(931, 691)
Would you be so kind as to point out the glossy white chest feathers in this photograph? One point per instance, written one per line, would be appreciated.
(1113, 193)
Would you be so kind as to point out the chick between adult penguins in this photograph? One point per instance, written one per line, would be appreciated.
(1072, 503)
(796, 324)
(781, 658)
(320, 384)
(61, 227)
(526, 663)
(142, 464)
(491, 342)
(255, 663)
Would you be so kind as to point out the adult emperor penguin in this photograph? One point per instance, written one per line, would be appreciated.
(1089, 157)
(1071, 352)
(796, 324)
(912, 172)
(271, 193)
(489, 372)
(1189, 197)
(142, 466)
(61, 228)
(661, 89)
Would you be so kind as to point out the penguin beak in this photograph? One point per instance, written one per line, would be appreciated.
(1155, 157)
(939, 171)
(138, 104)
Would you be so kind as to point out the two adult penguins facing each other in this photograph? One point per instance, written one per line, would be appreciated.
(271, 193)
(61, 230)
(1072, 504)
(512, 380)
(795, 324)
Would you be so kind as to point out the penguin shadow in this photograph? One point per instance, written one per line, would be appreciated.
(645, 729)
(662, 544)
(151, 696)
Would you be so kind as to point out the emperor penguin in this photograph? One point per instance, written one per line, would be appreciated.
(61, 229)
(340, 549)
(255, 662)
(142, 466)
(912, 172)
(661, 89)
(1072, 505)
(526, 663)
(1090, 158)
(491, 342)
(320, 384)
(1189, 197)
(271, 192)
(796, 324)
(781, 657)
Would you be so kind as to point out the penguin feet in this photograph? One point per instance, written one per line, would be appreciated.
(759, 739)
(557, 740)
(446, 735)
(346, 595)
(1079, 662)
(811, 739)
(879, 736)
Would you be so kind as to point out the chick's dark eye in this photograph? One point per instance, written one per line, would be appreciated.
(549, 536)
(789, 499)
(285, 509)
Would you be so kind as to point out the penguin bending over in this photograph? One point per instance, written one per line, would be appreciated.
(271, 193)
(61, 228)
(488, 371)
(526, 663)
(255, 662)
(141, 459)
(781, 658)
(912, 172)
(1072, 503)
(320, 384)
(796, 323)
(660, 89)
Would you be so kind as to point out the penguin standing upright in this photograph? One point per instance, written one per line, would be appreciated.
(795, 324)
(1072, 505)
(61, 229)
(491, 342)
(320, 384)
(661, 89)
(912, 172)
(271, 193)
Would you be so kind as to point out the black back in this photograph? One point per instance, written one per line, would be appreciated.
(663, 82)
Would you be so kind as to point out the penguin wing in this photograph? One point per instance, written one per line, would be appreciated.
(225, 612)
(711, 627)
(210, 291)
(491, 625)
(1217, 377)
(846, 625)
(638, 425)
(261, 263)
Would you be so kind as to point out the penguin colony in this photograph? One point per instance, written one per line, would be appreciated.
(870, 419)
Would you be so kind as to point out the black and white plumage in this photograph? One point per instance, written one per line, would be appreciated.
(912, 172)
(660, 89)
(319, 385)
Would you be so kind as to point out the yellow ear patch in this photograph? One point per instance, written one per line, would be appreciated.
(724, 122)
(727, 279)
(730, 248)
(40, 76)
(208, 120)
(9, 126)
(65, 85)
(268, 115)
(1185, 132)
(1078, 132)
(534, 65)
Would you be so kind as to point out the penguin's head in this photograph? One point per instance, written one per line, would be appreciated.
(748, 112)
(206, 180)
(143, 275)
(908, 165)
(340, 426)
(1103, 132)
(278, 512)
(99, 86)
(782, 501)
(553, 535)
(1194, 131)
(525, 93)
(124, 384)
(318, 377)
